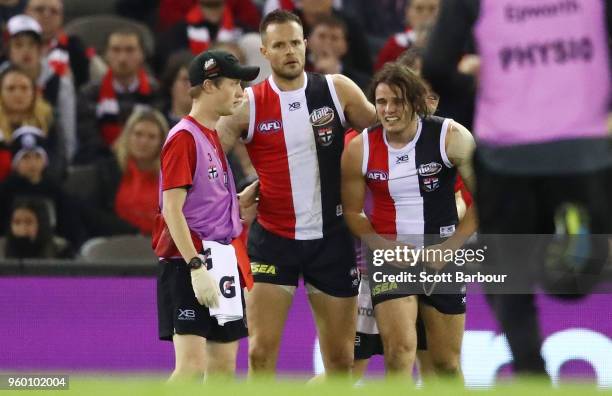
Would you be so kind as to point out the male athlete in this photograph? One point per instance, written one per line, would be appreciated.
(367, 340)
(408, 163)
(293, 126)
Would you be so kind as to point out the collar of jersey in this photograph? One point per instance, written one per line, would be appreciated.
(409, 145)
(278, 91)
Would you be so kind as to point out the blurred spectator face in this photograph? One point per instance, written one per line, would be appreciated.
(145, 141)
(325, 37)
(317, 6)
(433, 100)
(50, 15)
(124, 55)
(421, 13)
(180, 89)
(16, 93)
(31, 166)
(392, 109)
(212, 9)
(285, 48)
(24, 224)
(25, 51)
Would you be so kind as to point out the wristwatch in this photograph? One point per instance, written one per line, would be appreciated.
(195, 263)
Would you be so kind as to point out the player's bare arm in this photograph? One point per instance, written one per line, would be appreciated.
(231, 127)
(460, 147)
(174, 199)
(353, 196)
(359, 112)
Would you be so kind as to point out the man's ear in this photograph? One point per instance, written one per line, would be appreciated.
(208, 86)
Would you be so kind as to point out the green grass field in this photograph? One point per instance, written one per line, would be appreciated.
(135, 386)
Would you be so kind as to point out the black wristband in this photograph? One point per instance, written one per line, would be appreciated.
(195, 263)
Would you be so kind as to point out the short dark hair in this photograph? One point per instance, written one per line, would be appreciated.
(125, 31)
(333, 22)
(410, 57)
(412, 87)
(278, 17)
(176, 62)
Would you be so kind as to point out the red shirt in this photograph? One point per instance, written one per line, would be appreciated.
(178, 164)
(465, 193)
(136, 199)
(393, 48)
(5, 163)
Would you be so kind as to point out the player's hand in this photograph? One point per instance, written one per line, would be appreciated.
(248, 196)
(469, 64)
(205, 287)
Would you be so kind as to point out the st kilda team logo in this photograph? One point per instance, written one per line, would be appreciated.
(321, 120)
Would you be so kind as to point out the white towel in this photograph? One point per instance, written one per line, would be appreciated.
(366, 323)
(225, 271)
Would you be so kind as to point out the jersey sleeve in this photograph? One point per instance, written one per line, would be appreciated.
(178, 161)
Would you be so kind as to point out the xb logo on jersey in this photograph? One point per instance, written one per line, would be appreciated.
(402, 159)
(269, 126)
(377, 175)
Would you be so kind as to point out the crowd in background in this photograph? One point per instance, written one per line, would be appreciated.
(81, 130)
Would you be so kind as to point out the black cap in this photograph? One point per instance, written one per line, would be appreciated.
(212, 64)
(26, 139)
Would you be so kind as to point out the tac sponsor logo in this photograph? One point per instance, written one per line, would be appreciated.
(321, 116)
(295, 106)
(402, 159)
(365, 311)
(325, 136)
(430, 169)
(186, 314)
(263, 269)
(269, 126)
(430, 184)
(377, 175)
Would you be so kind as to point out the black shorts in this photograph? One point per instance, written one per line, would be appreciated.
(533, 205)
(328, 264)
(368, 345)
(446, 297)
(178, 311)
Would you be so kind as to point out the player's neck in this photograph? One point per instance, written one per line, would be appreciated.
(288, 85)
(204, 114)
(399, 139)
